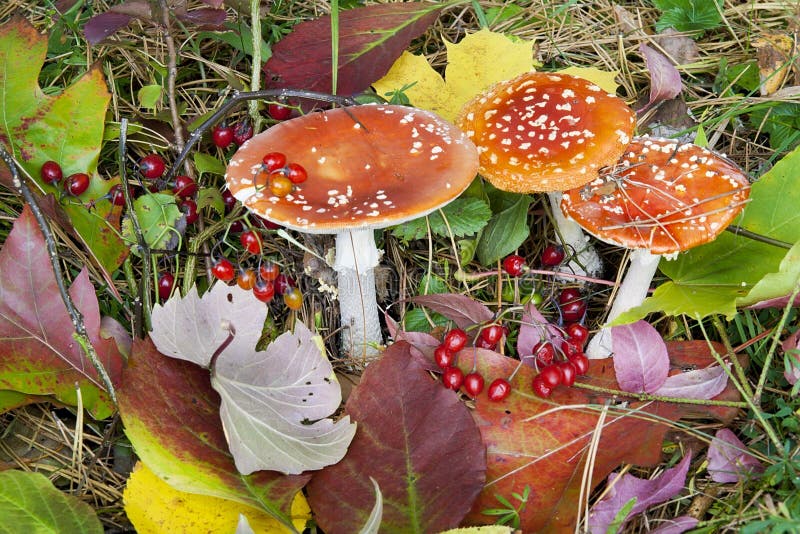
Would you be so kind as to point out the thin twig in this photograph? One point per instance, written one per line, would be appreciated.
(80, 335)
(738, 230)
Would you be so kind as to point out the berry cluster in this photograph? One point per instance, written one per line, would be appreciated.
(554, 370)
(223, 135)
(278, 175)
(75, 184)
(473, 382)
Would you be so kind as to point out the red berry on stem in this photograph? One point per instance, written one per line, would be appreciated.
(152, 166)
(246, 279)
(544, 352)
(269, 271)
(578, 332)
(551, 375)
(264, 290)
(189, 208)
(283, 284)
(165, 284)
(51, 172)
(116, 195)
(242, 131)
(452, 378)
(278, 112)
(514, 264)
(293, 298)
(571, 346)
(443, 356)
(274, 161)
(540, 388)
(568, 373)
(76, 184)
(223, 270)
(483, 344)
(569, 294)
(184, 186)
(222, 136)
(251, 242)
(296, 173)
(455, 340)
(473, 384)
(581, 363)
(573, 311)
(492, 333)
(552, 255)
(498, 390)
(229, 200)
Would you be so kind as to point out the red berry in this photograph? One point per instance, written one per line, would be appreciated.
(236, 227)
(269, 271)
(569, 294)
(573, 311)
(293, 298)
(189, 208)
(76, 184)
(544, 352)
(264, 290)
(492, 333)
(514, 264)
(498, 390)
(278, 112)
(274, 161)
(251, 242)
(552, 255)
(184, 186)
(473, 384)
(296, 173)
(246, 279)
(222, 136)
(242, 131)
(452, 378)
(455, 340)
(152, 166)
(229, 200)
(443, 356)
(165, 284)
(283, 284)
(116, 195)
(223, 270)
(540, 388)
(551, 375)
(581, 363)
(51, 172)
(483, 344)
(571, 346)
(568, 373)
(578, 332)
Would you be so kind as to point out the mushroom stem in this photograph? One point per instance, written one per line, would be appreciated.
(583, 258)
(356, 259)
(631, 293)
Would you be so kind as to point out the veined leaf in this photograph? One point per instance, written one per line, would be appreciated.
(693, 16)
(505, 232)
(461, 217)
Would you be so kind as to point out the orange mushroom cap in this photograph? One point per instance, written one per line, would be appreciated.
(368, 166)
(662, 196)
(546, 132)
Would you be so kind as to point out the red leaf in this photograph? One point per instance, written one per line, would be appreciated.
(206, 17)
(665, 80)
(416, 439)
(527, 437)
(171, 416)
(460, 309)
(371, 38)
(104, 25)
(38, 354)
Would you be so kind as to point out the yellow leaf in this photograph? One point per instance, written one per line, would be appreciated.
(478, 61)
(155, 507)
(606, 80)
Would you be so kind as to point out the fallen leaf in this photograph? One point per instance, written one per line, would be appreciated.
(698, 384)
(675, 525)
(641, 361)
(171, 416)
(38, 354)
(791, 349)
(429, 464)
(774, 53)
(647, 492)
(370, 39)
(475, 63)
(534, 328)
(606, 80)
(665, 80)
(678, 47)
(728, 459)
(154, 507)
(460, 309)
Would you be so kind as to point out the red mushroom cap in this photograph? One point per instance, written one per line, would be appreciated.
(546, 132)
(661, 196)
(368, 166)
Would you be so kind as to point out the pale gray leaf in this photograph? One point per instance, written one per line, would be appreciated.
(373, 523)
(698, 384)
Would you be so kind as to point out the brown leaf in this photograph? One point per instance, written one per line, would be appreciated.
(371, 38)
(678, 47)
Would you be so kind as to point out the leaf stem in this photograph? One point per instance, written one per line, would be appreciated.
(648, 397)
(738, 230)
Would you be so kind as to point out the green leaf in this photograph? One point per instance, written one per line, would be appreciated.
(716, 277)
(416, 321)
(208, 164)
(780, 122)
(505, 232)
(30, 503)
(745, 75)
(210, 196)
(149, 96)
(240, 38)
(694, 16)
(429, 285)
(462, 217)
(157, 214)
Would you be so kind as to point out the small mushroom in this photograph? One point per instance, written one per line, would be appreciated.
(660, 198)
(546, 132)
(368, 167)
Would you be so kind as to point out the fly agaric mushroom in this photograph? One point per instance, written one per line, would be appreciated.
(368, 167)
(660, 198)
(545, 132)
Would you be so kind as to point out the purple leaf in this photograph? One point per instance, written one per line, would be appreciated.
(104, 25)
(206, 17)
(676, 525)
(647, 492)
(791, 361)
(699, 384)
(728, 459)
(460, 309)
(665, 80)
(640, 357)
(213, 3)
(533, 329)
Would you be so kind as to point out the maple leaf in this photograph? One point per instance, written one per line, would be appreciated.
(38, 354)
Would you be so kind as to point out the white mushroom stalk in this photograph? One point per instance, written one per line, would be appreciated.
(583, 257)
(660, 199)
